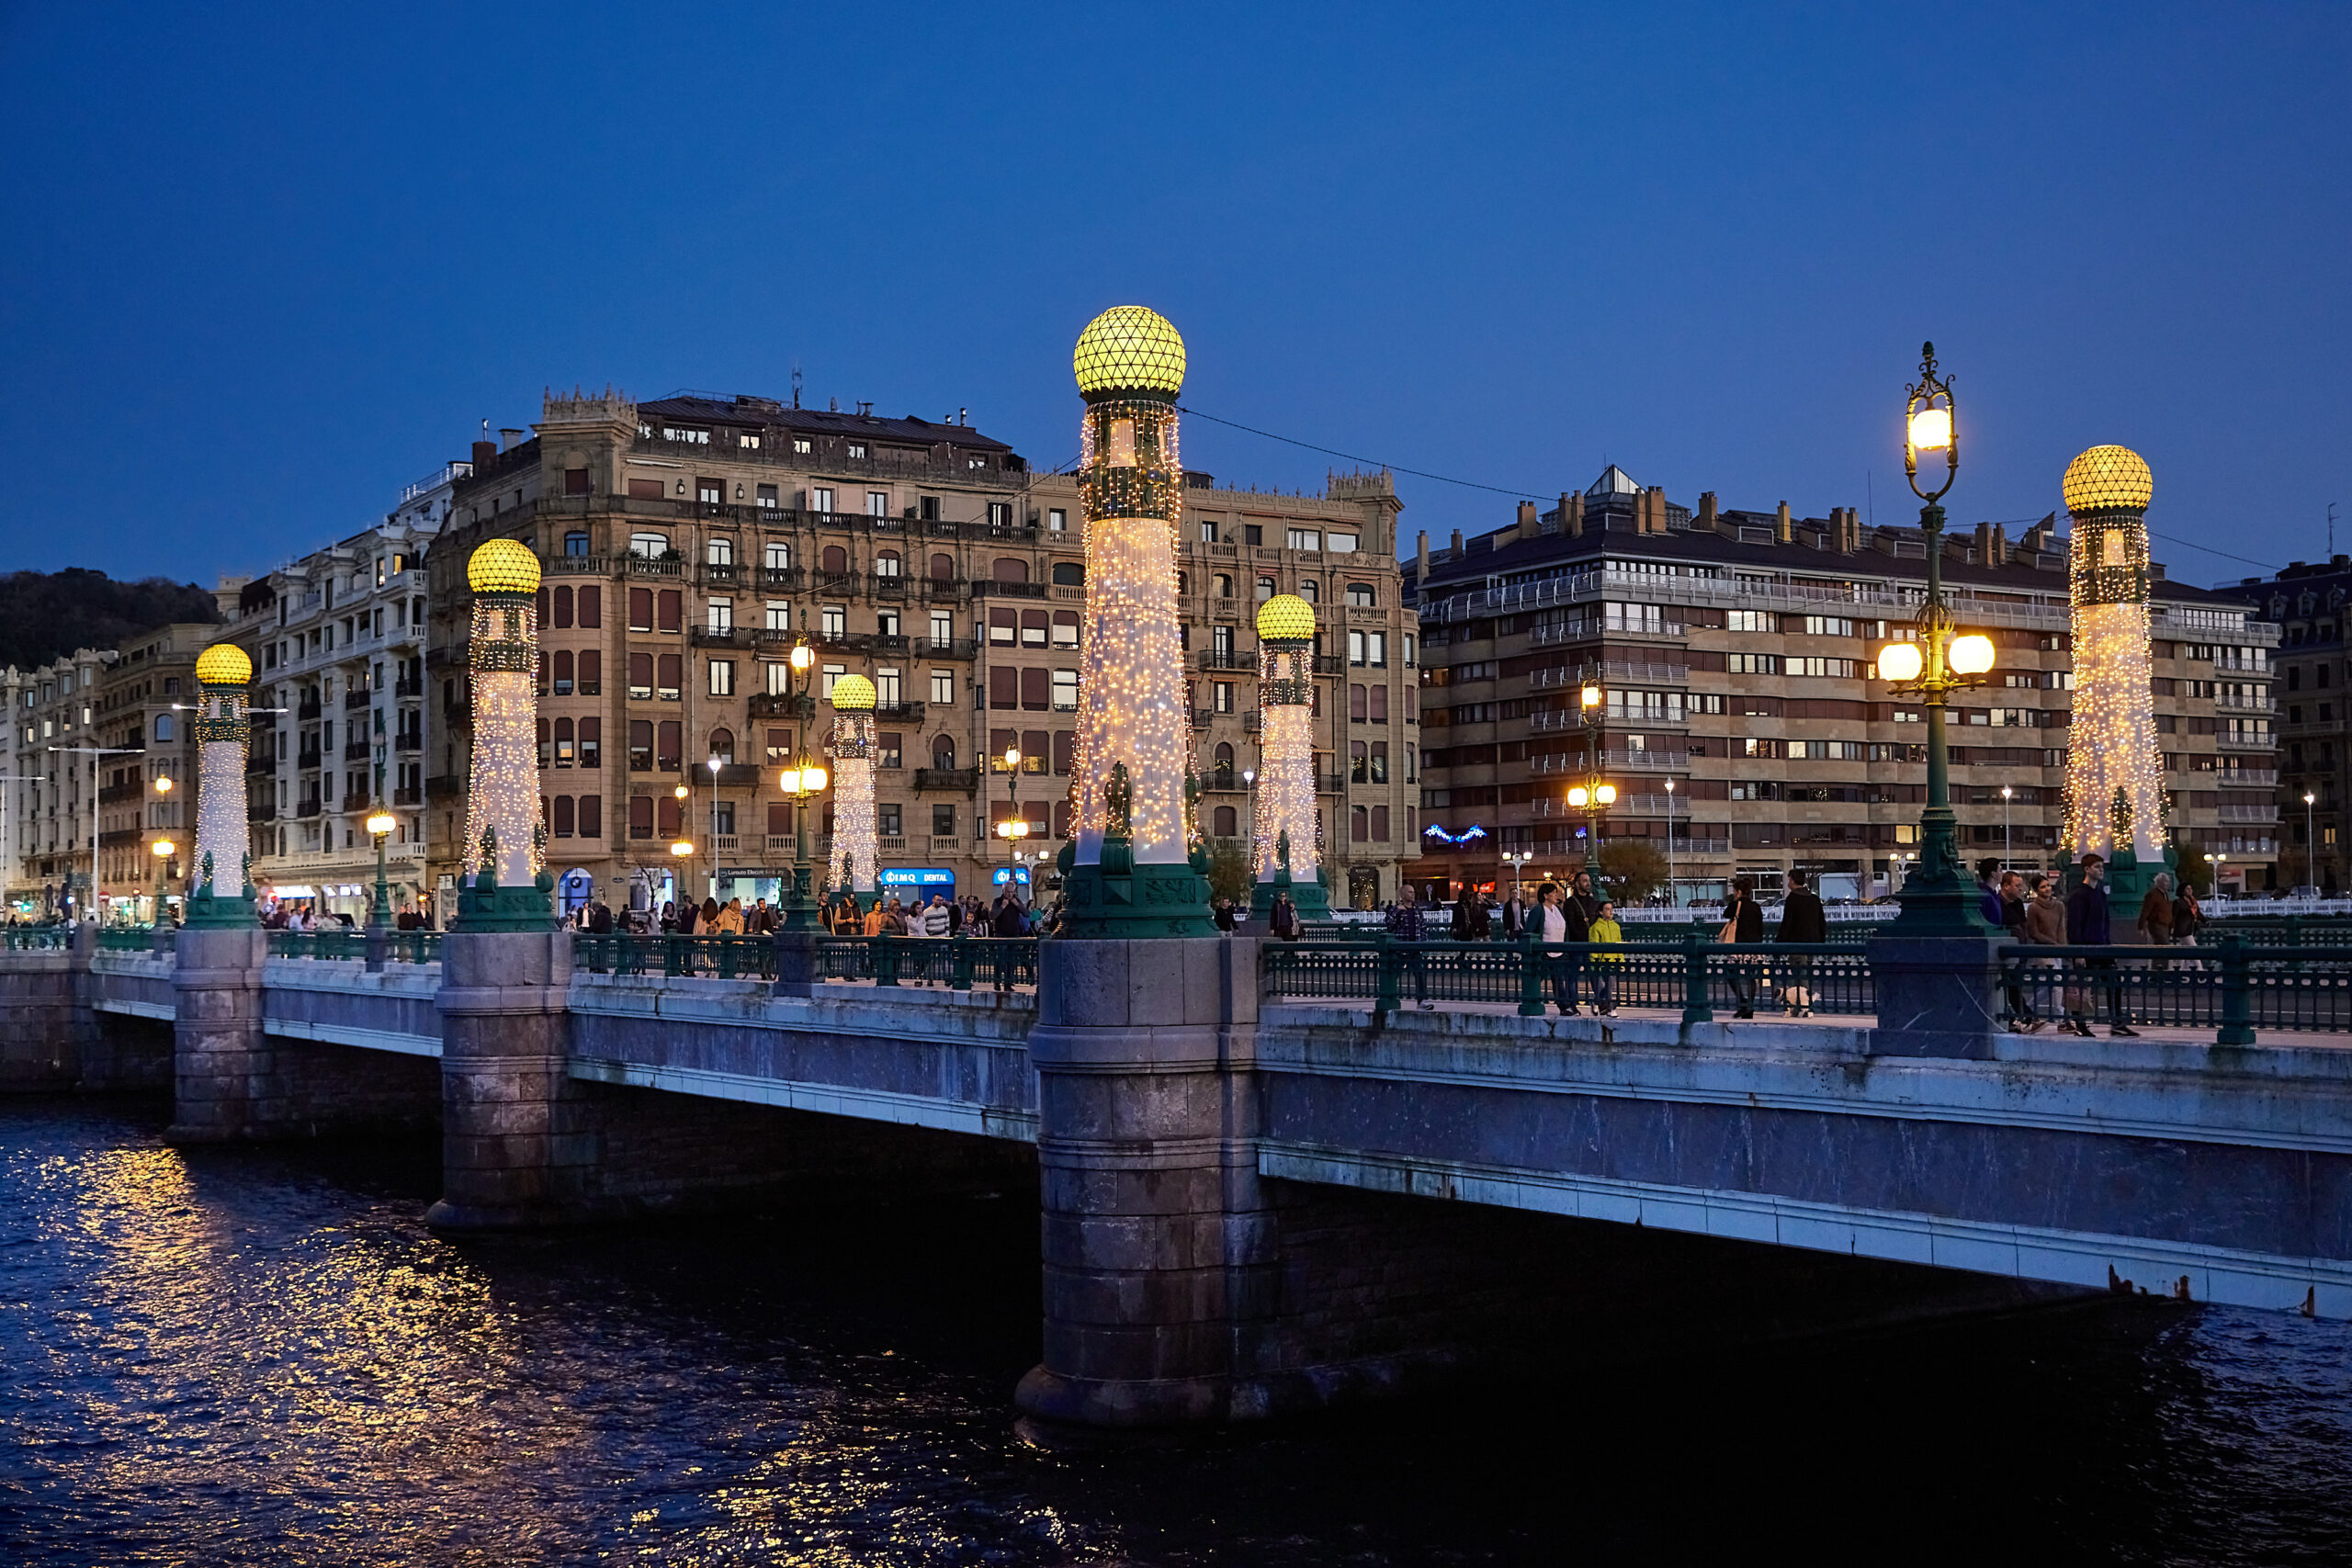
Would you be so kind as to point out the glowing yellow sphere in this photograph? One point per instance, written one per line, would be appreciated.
(1606, 795)
(1899, 661)
(1578, 796)
(224, 664)
(1285, 617)
(503, 565)
(1129, 348)
(2109, 478)
(853, 694)
(1972, 655)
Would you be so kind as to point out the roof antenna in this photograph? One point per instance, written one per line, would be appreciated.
(795, 383)
(2331, 530)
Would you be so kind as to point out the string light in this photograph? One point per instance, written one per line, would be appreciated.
(1286, 712)
(2114, 763)
(1130, 364)
(852, 747)
(223, 731)
(503, 796)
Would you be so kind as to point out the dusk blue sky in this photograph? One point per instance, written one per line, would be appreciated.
(270, 264)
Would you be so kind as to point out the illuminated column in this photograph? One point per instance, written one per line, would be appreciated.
(2114, 766)
(1285, 808)
(852, 750)
(507, 887)
(1131, 875)
(224, 731)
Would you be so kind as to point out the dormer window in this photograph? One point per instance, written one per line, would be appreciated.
(857, 449)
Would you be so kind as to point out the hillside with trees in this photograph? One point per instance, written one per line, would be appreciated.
(45, 613)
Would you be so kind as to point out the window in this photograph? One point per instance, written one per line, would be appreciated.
(722, 677)
(163, 727)
(878, 503)
(1359, 825)
(1310, 590)
(592, 607)
(1056, 521)
(722, 617)
(1355, 648)
(645, 490)
(942, 688)
(1375, 650)
(1070, 574)
(1363, 594)
(1411, 651)
(1828, 625)
(778, 557)
(718, 552)
(1036, 690)
(888, 563)
(1032, 629)
(1306, 539)
(888, 692)
(641, 609)
(1209, 532)
(564, 748)
(779, 616)
(640, 676)
(942, 753)
(1065, 755)
(641, 816)
(820, 497)
(1376, 704)
(563, 815)
(592, 745)
(650, 546)
(575, 544)
(561, 666)
(833, 622)
(767, 496)
(1754, 663)
(669, 676)
(1221, 641)
(1222, 585)
(1341, 545)
(722, 745)
(887, 746)
(1265, 589)
(1380, 762)
(942, 626)
(669, 609)
(1221, 696)
(1748, 621)
(1065, 629)
(827, 676)
(1004, 628)
(1065, 691)
(1225, 822)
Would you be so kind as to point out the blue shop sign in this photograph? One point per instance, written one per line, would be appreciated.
(1019, 876)
(918, 876)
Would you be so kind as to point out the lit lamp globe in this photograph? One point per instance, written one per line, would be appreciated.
(1972, 655)
(1580, 796)
(504, 566)
(1287, 618)
(224, 664)
(381, 822)
(853, 694)
(1899, 661)
(165, 848)
(1129, 350)
(682, 848)
(1606, 795)
(2109, 478)
(801, 781)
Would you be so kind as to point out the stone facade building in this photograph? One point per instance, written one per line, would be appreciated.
(1735, 657)
(2308, 606)
(337, 641)
(688, 542)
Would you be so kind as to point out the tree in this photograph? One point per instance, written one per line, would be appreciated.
(1630, 869)
(1229, 871)
(44, 615)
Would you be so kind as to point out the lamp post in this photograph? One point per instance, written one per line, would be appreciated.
(380, 823)
(2005, 793)
(1669, 846)
(1011, 803)
(162, 849)
(2311, 843)
(1940, 663)
(677, 879)
(2219, 861)
(713, 764)
(1516, 859)
(1012, 829)
(802, 779)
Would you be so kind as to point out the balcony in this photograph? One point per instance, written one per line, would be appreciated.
(441, 787)
(947, 648)
(966, 778)
(2246, 742)
(775, 705)
(261, 810)
(783, 578)
(948, 844)
(307, 708)
(887, 585)
(1610, 669)
(720, 637)
(356, 750)
(405, 687)
(993, 590)
(2247, 778)
(1331, 784)
(723, 574)
(1329, 664)
(890, 844)
(729, 775)
(357, 697)
(408, 794)
(307, 808)
(2265, 814)
(307, 758)
(357, 800)
(910, 713)
(408, 742)
(1207, 659)
(112, 793)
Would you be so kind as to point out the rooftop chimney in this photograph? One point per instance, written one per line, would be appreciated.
(1421, 556)
(1572, 515)
(509, 439)
(1707, 510)
(485, 452)
(1984, 545)
(1456, 553)
(1527, 527)
(1780, 528)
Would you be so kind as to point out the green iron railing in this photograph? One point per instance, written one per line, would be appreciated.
(39, 939)
(957, 963)
(1693, 976)
(2232, 986)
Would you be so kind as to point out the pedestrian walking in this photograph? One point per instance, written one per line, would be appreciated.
(2089, 924)
(1406, 923)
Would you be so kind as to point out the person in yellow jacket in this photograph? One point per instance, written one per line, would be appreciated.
(1606, 967)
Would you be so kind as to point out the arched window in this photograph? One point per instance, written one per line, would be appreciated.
(835, 558)
(888, 564)
(718, 551)
(722, 745)
(943, 567)
(1223, 765)
(1265, 589)
(1225, 822)
(163, 727)
(563, 607)
(1362, 593)
(651, 545)
(942, 753)
(562, 666)
(1184, 582)
(1310, 590)
(1011, 568)
(563, 743)
(1070, 574)
(1224, 585)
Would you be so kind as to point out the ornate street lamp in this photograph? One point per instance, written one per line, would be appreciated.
(380, 823)
(1012, 818)
(1938, 897)
(2310, 844)
(163, 850)
(1596, 795)
(800, 781)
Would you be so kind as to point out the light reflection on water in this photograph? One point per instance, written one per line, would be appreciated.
(262, 1357)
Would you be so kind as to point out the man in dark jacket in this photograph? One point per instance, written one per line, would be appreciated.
(1405, 922)
(1988, 893)
(1470, 923)
(2089, 925)
(1802, 919)
(1515, 914)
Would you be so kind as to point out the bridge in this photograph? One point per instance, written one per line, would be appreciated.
(1267, 1178)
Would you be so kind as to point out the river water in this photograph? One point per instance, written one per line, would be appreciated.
(263, 1357)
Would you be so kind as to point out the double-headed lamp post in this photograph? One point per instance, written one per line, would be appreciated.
(1014, 825)
(1594, 796)
(1515, 858)
(1938, 897)
(2007, 793)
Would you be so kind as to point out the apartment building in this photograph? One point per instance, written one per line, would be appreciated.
(688, 542)
(145, 698)
(2306, 605)
(1741, 722)
(337, 640)
(53, 782)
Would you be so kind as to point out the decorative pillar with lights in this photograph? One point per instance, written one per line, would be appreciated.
(1130, 873)
(852, 751)
(1285, 850)
(2115, 795)
(223, 730)
(509, 887)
